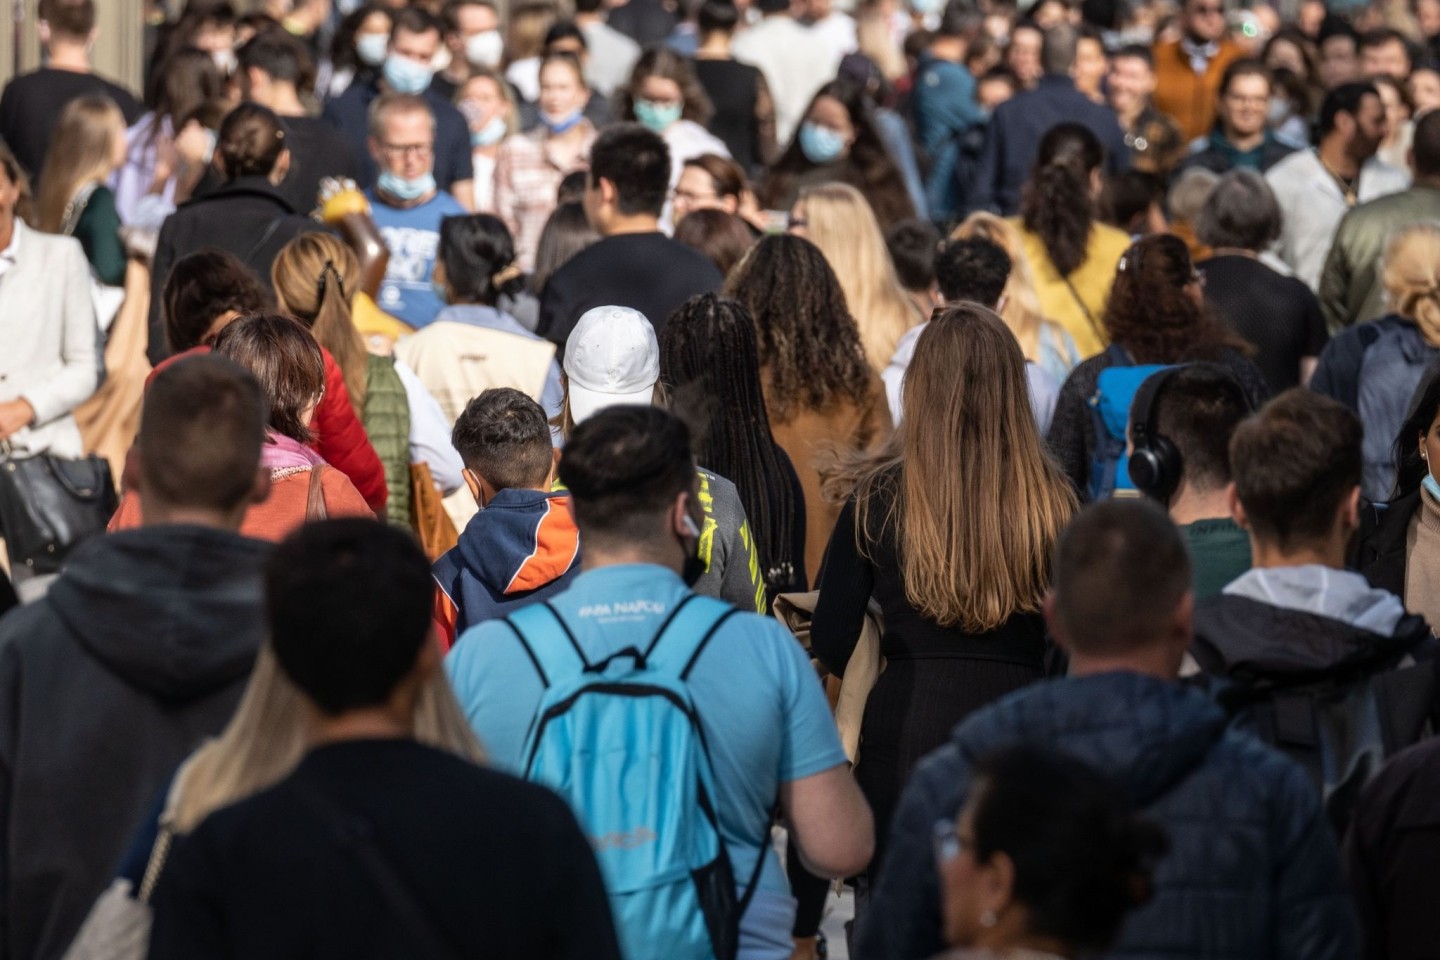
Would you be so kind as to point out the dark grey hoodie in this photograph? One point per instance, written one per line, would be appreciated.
(139, 651)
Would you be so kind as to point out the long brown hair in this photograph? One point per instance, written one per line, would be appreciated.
(1151, 315)
(1056, 203)
(974, 498)
(82, 152)
(314, 277)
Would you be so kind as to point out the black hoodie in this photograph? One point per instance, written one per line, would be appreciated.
(139, 651)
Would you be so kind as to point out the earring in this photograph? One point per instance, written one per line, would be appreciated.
(989, 919)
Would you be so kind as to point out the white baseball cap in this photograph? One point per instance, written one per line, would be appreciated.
(611, 359)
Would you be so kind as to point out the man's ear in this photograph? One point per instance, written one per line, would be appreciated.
(608, 193)
(472, 483)
(1237, 509)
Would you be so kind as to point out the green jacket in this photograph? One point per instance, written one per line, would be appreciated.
(387, 424)
(1350, 290)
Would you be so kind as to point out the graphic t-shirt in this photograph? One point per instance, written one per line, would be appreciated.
(762, 711)
(413, 237)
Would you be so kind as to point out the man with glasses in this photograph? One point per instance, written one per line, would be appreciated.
(1241, 140)
(407, 205)
(1188, 70)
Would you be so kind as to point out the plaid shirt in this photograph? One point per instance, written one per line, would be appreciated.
(528, 172)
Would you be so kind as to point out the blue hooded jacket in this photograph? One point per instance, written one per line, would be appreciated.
(1252, 870)
(523, 547)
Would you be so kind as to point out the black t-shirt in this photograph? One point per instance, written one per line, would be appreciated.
(498, 868)
(648, 272)
(317, 150)
(1276, 313)
(31, 107)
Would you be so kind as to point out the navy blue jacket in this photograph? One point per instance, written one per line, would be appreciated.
(1252, 871)
(1013, 139)
(350, 112)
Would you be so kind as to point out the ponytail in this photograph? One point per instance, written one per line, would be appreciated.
(336, 332)
(1057, 204)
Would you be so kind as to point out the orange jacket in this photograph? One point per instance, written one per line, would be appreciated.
(1188, 96)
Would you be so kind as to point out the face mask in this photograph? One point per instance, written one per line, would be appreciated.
(225, 60)
(1431, 486)
(821, 145)
(406, 76)
(485, 49)
(371, 48)
(490, 134)
(559, 125)
(927, 7)
(656, 116)
(1278, 112)
(402, 188)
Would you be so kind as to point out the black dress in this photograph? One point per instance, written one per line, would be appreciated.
(1277, 314)
(934, 676)
(734, 89)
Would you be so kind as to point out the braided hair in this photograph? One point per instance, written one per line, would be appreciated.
(709, 362)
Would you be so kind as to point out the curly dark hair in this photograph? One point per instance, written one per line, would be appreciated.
(809, 343)
(669, 65)
(867, 167)
(1056, 203)
(1150, 314)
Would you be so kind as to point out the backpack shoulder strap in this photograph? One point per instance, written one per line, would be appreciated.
(535, 627)
(696, 620)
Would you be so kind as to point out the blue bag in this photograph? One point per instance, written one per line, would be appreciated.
(1110, 406)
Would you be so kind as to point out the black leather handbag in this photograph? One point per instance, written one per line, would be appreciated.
(49, 505)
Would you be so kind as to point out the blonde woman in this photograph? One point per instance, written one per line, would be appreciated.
(488, 105)
(1043, 342)
(950, 528)
(89, 146)
(837, 219)
(316, 277)
(1374, 368)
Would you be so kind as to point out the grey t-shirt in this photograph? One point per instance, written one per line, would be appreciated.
(727, 545)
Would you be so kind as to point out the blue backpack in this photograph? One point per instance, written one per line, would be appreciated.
(1110, 406)
(621, 741)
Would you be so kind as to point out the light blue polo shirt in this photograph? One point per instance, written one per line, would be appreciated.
(763, 711)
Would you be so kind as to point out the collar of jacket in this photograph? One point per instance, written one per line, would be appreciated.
(1056, 81)
(249, 186)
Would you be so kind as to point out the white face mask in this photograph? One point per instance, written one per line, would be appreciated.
(225, 60)
(485, 49)
(371, 47)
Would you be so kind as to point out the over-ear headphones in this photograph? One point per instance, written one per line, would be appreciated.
(1155, 463)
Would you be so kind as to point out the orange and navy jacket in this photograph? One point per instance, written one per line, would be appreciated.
(523, 547)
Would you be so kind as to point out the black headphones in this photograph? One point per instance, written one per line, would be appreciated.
(1155, 465)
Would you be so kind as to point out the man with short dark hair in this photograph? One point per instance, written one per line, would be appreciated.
(1188, 70)
(522, 546)
(1350, 289)
(271, 65)
(1315, 188)
(1241, 139)
(138, 652)
(1194, 409)
(1120, 605)
(376, 845)
(1322, 665)
(913, 245)
(634, 264)
(631, 475)
(32, 103)
(1384, 51)
(415, 39)
(1013, 137)
(1153, 137)
(1339, 48)
(944, 104)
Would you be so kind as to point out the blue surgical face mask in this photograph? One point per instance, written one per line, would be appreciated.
(490, 134)
(927, 7)
(371, 48)
(821, 145)
(559, 125)
(658, 116)
(407, 76)
(1431, 486)
(406, 188)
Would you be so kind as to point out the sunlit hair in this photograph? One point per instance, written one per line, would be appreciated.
(1021, 310)
(266, 738)
(809, 346)
(841, 223)
(1410, 275)
(80, 154)
(315, 276)
(1151, 315)
(976, 503)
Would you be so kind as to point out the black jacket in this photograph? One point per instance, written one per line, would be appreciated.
(1379, 553)
(246, 216)
(1337, 698)
(1252, 871)
(138, 652)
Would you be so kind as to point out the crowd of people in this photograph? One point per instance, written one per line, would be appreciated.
(580, 479)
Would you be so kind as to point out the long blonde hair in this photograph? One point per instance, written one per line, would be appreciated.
(840, 222)
(314, 277)
(1410, 274)
(266, 738)
(1021, 310)
(82, 152)
(974, 499)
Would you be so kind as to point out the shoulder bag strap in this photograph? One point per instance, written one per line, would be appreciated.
(75, 209)
(315, 498)
(264, 239)
(356, 836)
(1079, 302)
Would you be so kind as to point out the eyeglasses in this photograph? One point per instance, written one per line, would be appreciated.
(689, 197)
(948, 843)
(418, 150)
(1209, 11)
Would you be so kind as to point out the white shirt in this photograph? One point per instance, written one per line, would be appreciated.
(686, 140)
(1312, 205)
(794, 65)
(837, 33)
(612, 57)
